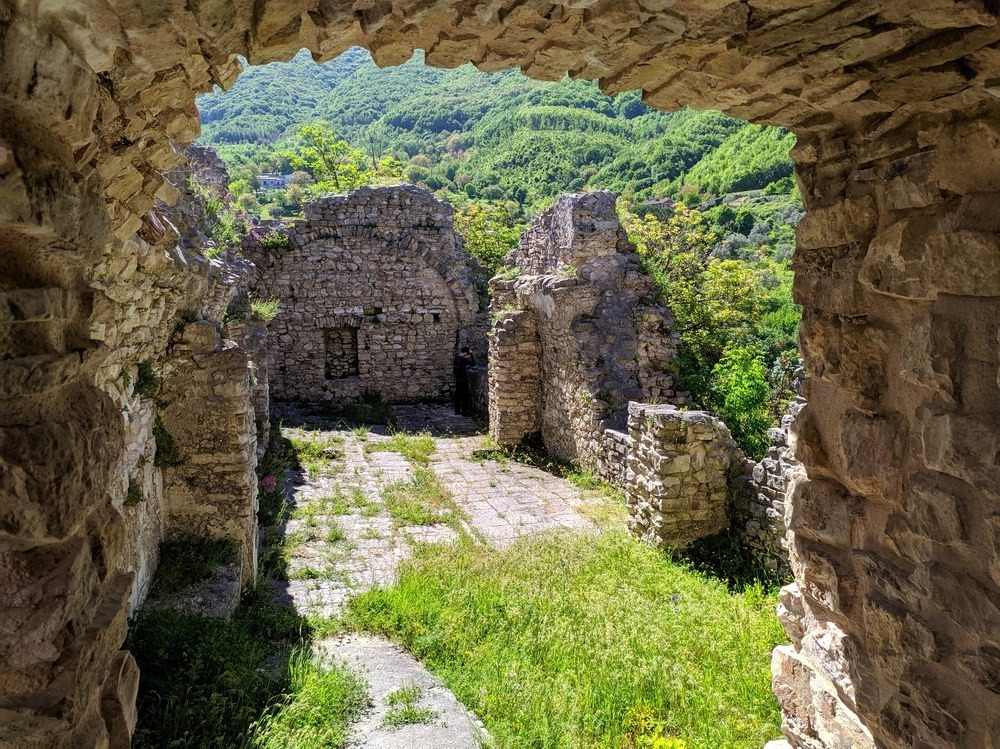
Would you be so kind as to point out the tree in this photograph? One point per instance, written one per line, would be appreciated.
(489, 232)
(322, 152)
(741, 397)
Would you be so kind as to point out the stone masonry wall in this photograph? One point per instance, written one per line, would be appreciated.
(251, 336)
(893, 534)
(677, 484)
(209, 416)
(374, 295)
(595, 340)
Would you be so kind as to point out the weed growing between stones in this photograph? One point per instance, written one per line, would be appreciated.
(577, 640)
(317, 454)
(167, 453)
(421, 500)
(416, 448)
(134, 494)
(404, 710)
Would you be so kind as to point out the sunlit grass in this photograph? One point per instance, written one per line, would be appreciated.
(417, 448)
(574, 640)
(421, 500)
(321, 702)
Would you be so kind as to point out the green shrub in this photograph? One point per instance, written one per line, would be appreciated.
(134, 494)
(263, 309)
(147, 383)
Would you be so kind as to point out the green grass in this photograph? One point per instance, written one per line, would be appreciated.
(404, 710)
(187, 561)
(230, 683)
(417, 448)
(422, 500)
(317, 453)
(321, 702)
(571, 640)
(334, 533)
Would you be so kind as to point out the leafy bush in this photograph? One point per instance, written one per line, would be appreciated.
(741, 398)
(168, 455)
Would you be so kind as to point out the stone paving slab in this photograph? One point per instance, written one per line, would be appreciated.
(338, 556)
(387, 667)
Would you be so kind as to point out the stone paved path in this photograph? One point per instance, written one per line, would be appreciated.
(343, 541)
(386, 668)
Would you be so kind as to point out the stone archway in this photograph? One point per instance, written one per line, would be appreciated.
(896, 534)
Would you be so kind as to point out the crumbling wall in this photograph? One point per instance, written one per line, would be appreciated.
(677, 484)
(375, 293)
(251, 335)
(759, 498)
(597, 338)
(207, 443)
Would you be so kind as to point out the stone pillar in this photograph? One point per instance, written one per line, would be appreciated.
(895, 532)
(207, 443)
(251, 335)
(676, 483)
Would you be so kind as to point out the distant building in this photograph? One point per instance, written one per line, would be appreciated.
(273, 181)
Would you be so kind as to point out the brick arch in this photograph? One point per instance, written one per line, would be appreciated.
(896, 534)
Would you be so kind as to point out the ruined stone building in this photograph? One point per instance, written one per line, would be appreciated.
(577, 333)
(581, 354)
(894, 528)
(375, 293)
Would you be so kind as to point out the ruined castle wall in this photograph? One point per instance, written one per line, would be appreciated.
(251, 336)
(603, 340)
(677, 484)
(210, 489)
(374, 295)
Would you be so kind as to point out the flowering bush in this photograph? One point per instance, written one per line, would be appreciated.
(268, 483)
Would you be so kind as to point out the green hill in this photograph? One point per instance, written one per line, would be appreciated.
(497, 136)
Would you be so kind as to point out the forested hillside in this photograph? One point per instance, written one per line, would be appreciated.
(495, 136)
(709, 201)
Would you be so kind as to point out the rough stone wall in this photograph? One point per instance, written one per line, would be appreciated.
(677, 484)
(375, 295)
(894, 613)
(602, 339)
(758, 510)
(894, 535)
(251, 335)
(212, 492)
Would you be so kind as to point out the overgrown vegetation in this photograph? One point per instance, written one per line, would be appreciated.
(734, 314)
(576, 640)
(417, 448)
(320, 703)
(188, 561)
(247, 682)
(147, 382)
